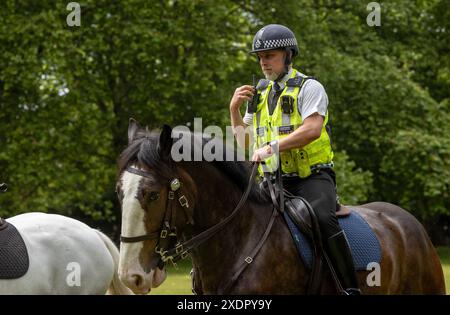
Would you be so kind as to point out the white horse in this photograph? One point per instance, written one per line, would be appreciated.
(65, 257)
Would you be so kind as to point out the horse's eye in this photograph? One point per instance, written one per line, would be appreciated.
(154, 195)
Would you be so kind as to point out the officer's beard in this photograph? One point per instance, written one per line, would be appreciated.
(272, 75)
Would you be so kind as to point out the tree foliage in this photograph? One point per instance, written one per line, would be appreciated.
(66, 93)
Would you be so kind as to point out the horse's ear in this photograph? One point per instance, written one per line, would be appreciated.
(165, 142)
(133, 127)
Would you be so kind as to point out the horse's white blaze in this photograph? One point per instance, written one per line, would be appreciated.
(132, 225)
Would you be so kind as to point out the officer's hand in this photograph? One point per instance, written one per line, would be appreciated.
(241, 94)
(262, 153)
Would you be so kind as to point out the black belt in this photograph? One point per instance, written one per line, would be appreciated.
(316, 168)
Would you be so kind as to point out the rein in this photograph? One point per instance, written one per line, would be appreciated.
(207, 234)
(181, 250)
(170, 248)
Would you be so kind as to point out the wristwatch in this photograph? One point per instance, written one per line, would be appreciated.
(273, 144)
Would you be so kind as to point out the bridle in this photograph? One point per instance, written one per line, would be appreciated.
(181, 250)
(167, 235)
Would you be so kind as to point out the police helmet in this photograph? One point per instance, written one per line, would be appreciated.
(275, 36)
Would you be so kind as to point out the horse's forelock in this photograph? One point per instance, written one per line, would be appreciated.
(149, 157)
(143, 152)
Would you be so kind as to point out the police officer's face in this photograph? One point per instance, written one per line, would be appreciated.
(272, 63)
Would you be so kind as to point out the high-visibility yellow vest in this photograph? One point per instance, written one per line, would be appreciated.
(283, 121)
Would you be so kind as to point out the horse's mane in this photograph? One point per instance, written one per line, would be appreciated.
(143, 151)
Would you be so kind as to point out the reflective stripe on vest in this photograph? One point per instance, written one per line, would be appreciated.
(279, 125)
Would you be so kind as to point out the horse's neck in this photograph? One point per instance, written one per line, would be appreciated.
(216, 194)
(221, 256)
(218, 258)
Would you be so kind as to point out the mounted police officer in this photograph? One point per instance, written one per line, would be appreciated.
(289, 114)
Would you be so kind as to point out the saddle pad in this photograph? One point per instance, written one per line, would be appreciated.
(14, 260)
(363, 242)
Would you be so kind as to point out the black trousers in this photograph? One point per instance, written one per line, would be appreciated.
(319, 189)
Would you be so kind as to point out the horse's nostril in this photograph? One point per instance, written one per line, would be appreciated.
(138, 280)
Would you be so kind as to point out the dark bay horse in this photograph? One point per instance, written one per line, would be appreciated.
(165, 203)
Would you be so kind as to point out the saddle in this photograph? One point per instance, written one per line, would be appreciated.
(14, 260)
(302, 223)
(298, 212)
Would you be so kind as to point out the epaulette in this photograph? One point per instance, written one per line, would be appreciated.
(298, 81)
(262, 84)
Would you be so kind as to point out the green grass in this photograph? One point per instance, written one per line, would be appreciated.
(179, 282)
(444, 254)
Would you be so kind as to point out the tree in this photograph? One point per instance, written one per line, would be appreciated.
(66, 93)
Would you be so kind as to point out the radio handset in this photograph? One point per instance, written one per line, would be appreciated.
(252, 105)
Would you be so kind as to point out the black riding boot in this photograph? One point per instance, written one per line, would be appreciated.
(341, 258)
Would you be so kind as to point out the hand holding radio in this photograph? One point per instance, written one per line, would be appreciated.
(241, 94)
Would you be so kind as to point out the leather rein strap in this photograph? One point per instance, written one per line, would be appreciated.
(249, 259)
(180, 250)
(207, 234)
(277, 207)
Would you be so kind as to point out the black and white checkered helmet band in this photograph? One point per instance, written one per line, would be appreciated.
(274, 43)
